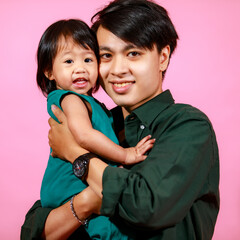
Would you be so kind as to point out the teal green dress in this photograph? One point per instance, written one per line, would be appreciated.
(60, 184)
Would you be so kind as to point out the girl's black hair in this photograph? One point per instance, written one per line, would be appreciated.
(48, 47)
(141, 22)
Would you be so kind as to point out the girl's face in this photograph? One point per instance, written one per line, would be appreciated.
(74, 67)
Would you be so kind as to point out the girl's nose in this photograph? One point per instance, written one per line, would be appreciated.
(79, 69)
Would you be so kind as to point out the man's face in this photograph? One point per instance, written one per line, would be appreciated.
(130, 75)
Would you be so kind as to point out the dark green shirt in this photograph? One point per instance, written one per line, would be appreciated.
(173, 194)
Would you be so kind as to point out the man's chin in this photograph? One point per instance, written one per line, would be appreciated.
(118, 99)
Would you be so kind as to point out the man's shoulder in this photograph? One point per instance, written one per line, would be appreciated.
(179, 115)
(188, 111)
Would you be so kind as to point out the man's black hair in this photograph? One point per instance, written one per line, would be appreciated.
(141, 22)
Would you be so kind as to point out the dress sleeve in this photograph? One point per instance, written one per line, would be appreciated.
(158, 192)
(55, 98)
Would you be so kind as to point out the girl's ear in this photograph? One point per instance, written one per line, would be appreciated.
(49, 75)
(164, 58)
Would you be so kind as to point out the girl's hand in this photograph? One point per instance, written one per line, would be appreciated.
(136, 154)
(61, 139)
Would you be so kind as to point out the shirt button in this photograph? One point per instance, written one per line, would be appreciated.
(132, 118)
(142, 126)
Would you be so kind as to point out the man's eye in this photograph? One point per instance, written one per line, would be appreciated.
(105, 55)
(133, 54)
(69, 61)
(87, 60)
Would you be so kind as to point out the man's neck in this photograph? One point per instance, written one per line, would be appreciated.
(128, 110)
(125, 112)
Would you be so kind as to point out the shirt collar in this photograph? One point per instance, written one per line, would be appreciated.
(151, 109)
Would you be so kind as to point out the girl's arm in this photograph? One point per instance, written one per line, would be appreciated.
(64, 146)
(78, 113)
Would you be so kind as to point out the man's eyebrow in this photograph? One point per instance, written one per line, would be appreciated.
(103, 48)
(130, 46)
(126, 48)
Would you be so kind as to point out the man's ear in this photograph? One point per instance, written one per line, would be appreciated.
(49, 75)
(164, 58)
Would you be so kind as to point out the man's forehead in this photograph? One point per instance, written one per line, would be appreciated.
(108, 40)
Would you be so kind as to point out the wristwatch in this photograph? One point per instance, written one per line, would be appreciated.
(80, 165)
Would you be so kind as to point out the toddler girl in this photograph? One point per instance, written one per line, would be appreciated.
(68, 75)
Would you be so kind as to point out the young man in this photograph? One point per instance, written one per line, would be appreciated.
(173, 194)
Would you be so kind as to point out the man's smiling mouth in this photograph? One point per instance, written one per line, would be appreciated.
(122, 84)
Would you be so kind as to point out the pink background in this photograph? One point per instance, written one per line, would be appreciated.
(204, 72)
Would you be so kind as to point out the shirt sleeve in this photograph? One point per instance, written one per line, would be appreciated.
(159, 191)
(34, 223)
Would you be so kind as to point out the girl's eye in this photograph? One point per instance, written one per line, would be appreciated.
(87, 60)
(69, 61)
(133, 54)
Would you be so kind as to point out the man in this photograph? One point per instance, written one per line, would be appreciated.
(173, 194)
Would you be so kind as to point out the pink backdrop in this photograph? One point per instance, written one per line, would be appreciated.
(204, 72)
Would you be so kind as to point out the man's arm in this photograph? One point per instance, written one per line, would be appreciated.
(59, 223)
(180, 175)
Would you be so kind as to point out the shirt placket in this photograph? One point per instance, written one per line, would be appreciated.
(135, 130)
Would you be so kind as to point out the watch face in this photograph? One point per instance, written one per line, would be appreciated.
(80, 165)
(79, 168)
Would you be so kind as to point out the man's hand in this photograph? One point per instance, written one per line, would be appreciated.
(61, 139)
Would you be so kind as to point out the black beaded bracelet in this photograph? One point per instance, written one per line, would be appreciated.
(83, 222)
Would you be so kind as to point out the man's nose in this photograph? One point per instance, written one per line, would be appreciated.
(119, 66)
